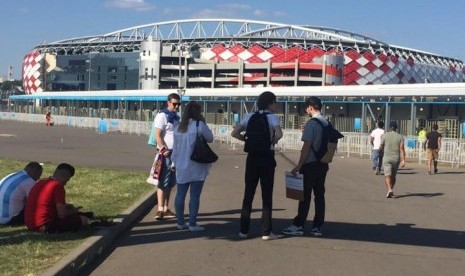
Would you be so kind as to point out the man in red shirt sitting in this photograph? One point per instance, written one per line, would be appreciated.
(46, 207)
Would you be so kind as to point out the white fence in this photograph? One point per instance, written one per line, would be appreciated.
(353, 144)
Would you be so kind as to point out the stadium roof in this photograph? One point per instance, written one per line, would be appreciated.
(208, 32)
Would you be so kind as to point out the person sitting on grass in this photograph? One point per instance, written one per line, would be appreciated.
(46, 207)
(14, 190)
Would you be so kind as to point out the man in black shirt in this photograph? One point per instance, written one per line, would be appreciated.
(433, 145)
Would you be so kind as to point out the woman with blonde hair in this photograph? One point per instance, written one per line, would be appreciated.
(190, 175)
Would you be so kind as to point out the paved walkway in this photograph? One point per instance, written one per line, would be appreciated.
(420, 232)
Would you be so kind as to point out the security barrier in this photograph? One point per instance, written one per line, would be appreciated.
(353, 144)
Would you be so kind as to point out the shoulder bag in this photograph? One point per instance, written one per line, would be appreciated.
(202, 153)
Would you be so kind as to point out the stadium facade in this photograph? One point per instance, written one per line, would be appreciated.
(222, 53)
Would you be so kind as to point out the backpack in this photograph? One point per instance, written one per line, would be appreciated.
(328, 144)
(257, 134)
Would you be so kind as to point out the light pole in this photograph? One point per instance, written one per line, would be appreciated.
(181, 83)
(89, 70)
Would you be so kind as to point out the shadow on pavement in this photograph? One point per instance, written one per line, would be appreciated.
(419, 195)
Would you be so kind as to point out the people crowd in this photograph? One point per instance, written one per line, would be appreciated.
(40, 203)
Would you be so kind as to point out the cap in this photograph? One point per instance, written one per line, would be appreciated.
(393, 124)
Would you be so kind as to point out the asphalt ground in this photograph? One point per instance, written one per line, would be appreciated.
(419, 232)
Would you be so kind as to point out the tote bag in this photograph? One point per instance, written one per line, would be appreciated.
(152, 140)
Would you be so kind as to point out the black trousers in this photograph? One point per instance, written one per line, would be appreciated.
(259, 167)
(314, 180)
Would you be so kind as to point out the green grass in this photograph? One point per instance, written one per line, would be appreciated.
(105, 192)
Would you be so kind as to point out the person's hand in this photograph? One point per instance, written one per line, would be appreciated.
(402, 163)
(166, 153)
(295, 171)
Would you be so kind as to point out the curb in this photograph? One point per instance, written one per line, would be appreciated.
(92, 247)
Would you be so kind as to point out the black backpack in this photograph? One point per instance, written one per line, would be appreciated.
(328, 146)
(257, 134)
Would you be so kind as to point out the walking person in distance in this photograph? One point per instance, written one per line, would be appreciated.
(392, 146)
(375, 140)
(433, 145)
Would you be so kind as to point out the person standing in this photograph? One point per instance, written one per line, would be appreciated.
(433, 145)
(165, 123)
(313, 170)
(14, 190)
(49, 119)
(422, 137)
(190, 175)
(375, 140)
(261, 163)
(46, 207)
(392, 144)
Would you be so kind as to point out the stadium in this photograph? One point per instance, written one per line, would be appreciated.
(227, 62)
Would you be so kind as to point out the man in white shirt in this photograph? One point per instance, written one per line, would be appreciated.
(14, 190)
(375, 140)
(165, 123)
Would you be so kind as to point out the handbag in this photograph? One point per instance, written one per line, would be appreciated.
(202, 153)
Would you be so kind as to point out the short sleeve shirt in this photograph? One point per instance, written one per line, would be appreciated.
(42, 201)
(313, 134)
(14, 189)
(376, 134)
(433, 138)
(167, 129)
(273, 122)
(391, 141)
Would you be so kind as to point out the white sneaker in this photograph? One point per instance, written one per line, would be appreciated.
(182, 227)
(271, 236)
(196, 228)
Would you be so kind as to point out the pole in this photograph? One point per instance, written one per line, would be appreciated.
(90, 68)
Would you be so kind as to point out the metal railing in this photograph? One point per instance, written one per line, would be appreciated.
(353, 144)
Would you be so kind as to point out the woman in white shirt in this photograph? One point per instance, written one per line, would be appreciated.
(189, 174)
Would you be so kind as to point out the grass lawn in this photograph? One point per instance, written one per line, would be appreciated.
(103, 191)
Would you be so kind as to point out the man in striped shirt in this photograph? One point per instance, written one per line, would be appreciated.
(14, 189)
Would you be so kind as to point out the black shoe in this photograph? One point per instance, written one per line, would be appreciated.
(89, 215)
(435, 171)
(103, 223)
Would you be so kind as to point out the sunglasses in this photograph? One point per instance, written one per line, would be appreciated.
(176, 104)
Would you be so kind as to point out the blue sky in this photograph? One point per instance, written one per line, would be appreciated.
(432, 26)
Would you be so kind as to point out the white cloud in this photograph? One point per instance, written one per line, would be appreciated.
(138, 5)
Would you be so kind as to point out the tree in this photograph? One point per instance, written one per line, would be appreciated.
(10, 85)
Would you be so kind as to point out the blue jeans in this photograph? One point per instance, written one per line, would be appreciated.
(194, 201)
(377, 158)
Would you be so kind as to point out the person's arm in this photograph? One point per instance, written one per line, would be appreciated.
(206, 132)
(439, 143)
(160, 141)
(303, 156)
(237, 132)
(372, 139)
(278, 134)
(65, 210)
(381, 146)
(402, 153)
